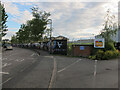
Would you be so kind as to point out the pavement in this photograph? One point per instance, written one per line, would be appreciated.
(25, 68)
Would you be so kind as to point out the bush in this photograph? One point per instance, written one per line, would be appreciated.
(93, 57)
(99, 54)
(69, 49)
(116, 53)
(108, 55)
(90, 57)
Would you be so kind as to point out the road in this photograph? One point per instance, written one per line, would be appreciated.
(24, 68)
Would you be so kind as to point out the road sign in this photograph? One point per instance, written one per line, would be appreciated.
(99, 43)
(82, 47)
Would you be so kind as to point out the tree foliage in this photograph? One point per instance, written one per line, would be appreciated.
(3, 21)
(34, 29)
(109, 27)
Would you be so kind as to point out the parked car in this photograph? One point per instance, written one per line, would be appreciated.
(8, 47)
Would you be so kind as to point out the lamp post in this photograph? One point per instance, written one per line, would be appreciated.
(50, 34)
(50, 27)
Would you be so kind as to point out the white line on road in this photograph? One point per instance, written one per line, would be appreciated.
(32, 54)
(4, 72)
(19, 60)
(4, 58)
(48, 56)
(69, 66)
(6, 64)
(5, 81)
(95, 68)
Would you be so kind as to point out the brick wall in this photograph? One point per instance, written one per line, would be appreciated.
(84, 53)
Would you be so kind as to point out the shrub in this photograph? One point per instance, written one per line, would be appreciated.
(69, 49)
(108, 55)
(90, 57)
(99, 54)
(116, 53)
(93, 57)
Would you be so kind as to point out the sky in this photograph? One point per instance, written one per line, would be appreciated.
(74, 20)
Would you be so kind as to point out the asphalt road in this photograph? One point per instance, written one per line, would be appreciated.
(24, 68)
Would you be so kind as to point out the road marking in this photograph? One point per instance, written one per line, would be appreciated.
(53, 75)
(4, 58)
(16, 60)
(32, 54)
(19, 60)
(38, 54)
(6, 64)
(95, 68)
(5, 81)
(22, 60)
(69, 66)
(48, 56)
(4, 72)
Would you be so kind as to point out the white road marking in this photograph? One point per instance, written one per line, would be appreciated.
(4, 72)
(6, 64)
(19, 60)
(95, 68)
(48, 56)
(69, 66)
(32, 54)
(38, 54)
(5, 81)
(22, 60)
(4, 58)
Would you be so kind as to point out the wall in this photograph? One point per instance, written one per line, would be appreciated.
(84, 53)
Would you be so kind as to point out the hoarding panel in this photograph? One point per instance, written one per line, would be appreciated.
(99, 43)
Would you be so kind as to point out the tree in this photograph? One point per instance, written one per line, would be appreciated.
(109, 29)
(39, 23)
(21, 34)
(3, 22)
(34, 29)
(14, 40)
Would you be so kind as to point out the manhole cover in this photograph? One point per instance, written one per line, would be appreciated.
(108, 69)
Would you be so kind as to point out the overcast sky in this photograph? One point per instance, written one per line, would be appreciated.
(75, 20)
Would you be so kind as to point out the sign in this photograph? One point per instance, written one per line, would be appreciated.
(82, 47)
(99, 43)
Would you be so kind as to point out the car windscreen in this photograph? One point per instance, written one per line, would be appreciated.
(8, 45)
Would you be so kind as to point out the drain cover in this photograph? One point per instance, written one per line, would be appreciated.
(108, 69)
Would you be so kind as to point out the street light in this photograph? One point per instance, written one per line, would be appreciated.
(50, 34)
(50, 27)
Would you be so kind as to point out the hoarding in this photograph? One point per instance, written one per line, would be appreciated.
(99, 43)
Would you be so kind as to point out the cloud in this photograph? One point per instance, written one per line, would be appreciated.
(71, 19)
(26, 3)
(18, 16)
(12, 29)
(9, 34)
(72, 22)
(12, 9)
(23, 18)
(60, 0)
